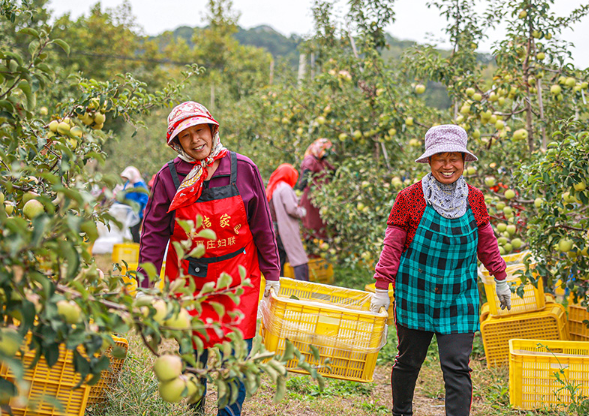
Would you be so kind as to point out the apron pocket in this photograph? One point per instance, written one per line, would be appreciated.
(197, 269)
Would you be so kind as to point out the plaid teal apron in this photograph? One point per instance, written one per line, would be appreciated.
(436, 285)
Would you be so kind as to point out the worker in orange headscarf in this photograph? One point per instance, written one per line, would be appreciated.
(286, 212)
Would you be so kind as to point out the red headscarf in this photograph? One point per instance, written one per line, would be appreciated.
(318, 148)
(284, 173)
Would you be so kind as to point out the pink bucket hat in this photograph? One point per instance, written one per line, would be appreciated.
(446, 138)
(186, 115)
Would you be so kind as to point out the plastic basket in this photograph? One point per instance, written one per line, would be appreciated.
(533, 299)
(335, 320)
(320, 271)
(548, 298)
(48, 385)
(372, 289)
(108, 378)
(534, 366)
(577, 328)
(125, 251)
(550, 324)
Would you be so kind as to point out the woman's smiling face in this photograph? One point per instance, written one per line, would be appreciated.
(447, 167)
(197, 141)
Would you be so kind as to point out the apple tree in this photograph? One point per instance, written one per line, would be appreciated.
(51, 292)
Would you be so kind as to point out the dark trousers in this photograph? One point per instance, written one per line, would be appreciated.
(301, 272)
(281, 252)
(231, 410)
(135, 232)
(454, 350)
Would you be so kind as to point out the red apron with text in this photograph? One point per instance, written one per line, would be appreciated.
(222, 211)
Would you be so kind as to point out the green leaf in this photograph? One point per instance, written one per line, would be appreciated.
(224, 281)
(28, 31)
(208, 287)
(197, 252)
(63, 45)
(280, 390)
(219, 308)
(288, 351)
(26, 89)
(208, 234)
(315, 352)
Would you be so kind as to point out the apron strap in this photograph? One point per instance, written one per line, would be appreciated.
(233, 179)
(174, 174)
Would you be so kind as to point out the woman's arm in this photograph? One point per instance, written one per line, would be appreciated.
(488, 252)
(290, 203)
(390, 257)
(261, 227)
(394, 243)
(157, 225)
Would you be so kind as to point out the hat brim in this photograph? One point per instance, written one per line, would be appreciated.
(445, 148)
(189, 122)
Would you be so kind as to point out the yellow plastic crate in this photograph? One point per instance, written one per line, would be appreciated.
(550, 324)
(372, 289)
(577, 328)
(532, 367)
(533, 299)
(108, 378)
(49, 384)
(126, 251)
(320, 271)
(335, 320)
(548, 298)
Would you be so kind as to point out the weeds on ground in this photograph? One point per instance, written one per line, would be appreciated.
(301, 387)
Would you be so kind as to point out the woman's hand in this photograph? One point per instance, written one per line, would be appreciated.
(271, 284)
(503, 293)
(380, 299)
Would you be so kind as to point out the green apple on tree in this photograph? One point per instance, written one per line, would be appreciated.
(33, 208)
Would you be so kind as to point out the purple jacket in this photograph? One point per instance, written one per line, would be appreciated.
(158, 223)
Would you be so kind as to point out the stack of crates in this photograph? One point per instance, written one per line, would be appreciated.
(320, 271)
(535, 316)
(578, 316)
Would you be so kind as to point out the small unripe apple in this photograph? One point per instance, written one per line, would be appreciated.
(523, 14)
(555, 89)
(99, 118)
(502, 241)
(69, 310)
(501, 101)
(409, 121)
(87, 119)
(167, 367)
(76, 131)
(476, 134)
(465, 110)
(570, 82)
(179, 321)
(507, 247)
(508, 211)
(53, 126)
(470, 91)
(490, 181)
(509, 194)
(499, 124)
(540, 56)
(536, 34)
(471, 170)
(511, 229)
(171, 391)
(420, 89)
(538, 202)
(9, 209)
(320, 120)
(98, 126)
(43, 111)
(10, 341)
(565, 245)
(343, 137)
(548, 36)
(580, 187)
(493, 97)
(63, 127)
(501, 227)
(477, 97)
(516, 243)
(520, 134)
(33, 208)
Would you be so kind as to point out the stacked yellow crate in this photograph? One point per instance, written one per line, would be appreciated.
(535, 316)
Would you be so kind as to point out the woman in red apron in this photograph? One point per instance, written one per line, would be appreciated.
(227, 191)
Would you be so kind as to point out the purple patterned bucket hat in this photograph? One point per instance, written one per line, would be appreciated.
(446, 138)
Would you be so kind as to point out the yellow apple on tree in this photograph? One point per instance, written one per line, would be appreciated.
(33, 208)
(167, 367)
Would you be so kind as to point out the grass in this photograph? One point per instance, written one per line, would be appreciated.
(136, 392)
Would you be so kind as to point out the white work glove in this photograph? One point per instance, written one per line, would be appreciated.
(380, 299)
(139, 294)
(271, 284)
(503, 293)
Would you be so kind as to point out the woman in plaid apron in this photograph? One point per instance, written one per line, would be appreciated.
(436, 230)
